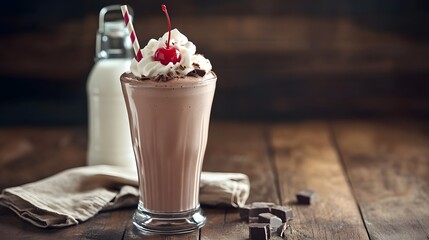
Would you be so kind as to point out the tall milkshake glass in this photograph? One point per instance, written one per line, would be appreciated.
(169, 124)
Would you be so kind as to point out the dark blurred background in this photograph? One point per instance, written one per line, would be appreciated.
(275, 59)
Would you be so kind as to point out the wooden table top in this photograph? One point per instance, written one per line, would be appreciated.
(372, 178)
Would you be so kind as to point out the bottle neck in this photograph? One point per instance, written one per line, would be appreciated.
(113, 43)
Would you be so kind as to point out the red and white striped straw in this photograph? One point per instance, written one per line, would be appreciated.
(133, 35)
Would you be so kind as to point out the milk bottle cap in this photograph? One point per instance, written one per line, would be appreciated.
(112, 36)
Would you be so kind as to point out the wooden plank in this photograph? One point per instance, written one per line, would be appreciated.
(306, 159)
(388, 166)
(239, 147)
(107, 225)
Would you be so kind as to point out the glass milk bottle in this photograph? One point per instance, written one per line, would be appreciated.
(109, 131)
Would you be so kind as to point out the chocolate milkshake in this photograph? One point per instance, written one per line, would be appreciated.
(169, 95)
(169, 125)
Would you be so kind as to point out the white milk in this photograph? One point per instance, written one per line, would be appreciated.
(109, 130)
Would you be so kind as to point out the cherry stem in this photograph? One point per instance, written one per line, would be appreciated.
(164, 9)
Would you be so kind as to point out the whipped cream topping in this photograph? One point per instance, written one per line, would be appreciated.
(190, 61)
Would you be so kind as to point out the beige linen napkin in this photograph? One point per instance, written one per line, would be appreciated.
(77, 194)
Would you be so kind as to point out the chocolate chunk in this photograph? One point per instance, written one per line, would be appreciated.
(197, 73)
(256, 210)
(259, 231)
(283, 228)
(306, 197)
(253, 219)
(280, 230)
(284, 213)
(192, 74)
(244, 212)
(273, 220)
(260, 207)
(250, 212)
(265, 217)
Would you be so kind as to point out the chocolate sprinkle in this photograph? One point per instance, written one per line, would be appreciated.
(175, 74)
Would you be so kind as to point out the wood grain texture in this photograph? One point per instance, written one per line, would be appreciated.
(239, 147)
(388, 165)
(305, 158)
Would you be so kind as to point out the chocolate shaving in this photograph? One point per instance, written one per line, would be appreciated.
(144, 78)
(192, 74)
(197, 73)
(168, 76)
(163, 78)
(159, 78)
(196, 65)
(172, 74)
(200, 72)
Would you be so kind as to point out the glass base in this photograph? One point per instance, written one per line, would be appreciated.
(149, 222)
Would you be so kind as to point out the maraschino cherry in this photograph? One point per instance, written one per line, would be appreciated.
(167, 54)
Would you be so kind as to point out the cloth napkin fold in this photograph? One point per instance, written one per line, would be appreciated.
(77, 194)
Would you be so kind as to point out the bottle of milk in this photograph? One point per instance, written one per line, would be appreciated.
(109, 131)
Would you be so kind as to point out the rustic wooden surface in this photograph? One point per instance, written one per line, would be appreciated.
(305, 158)
(372, 178)
(388, 167)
